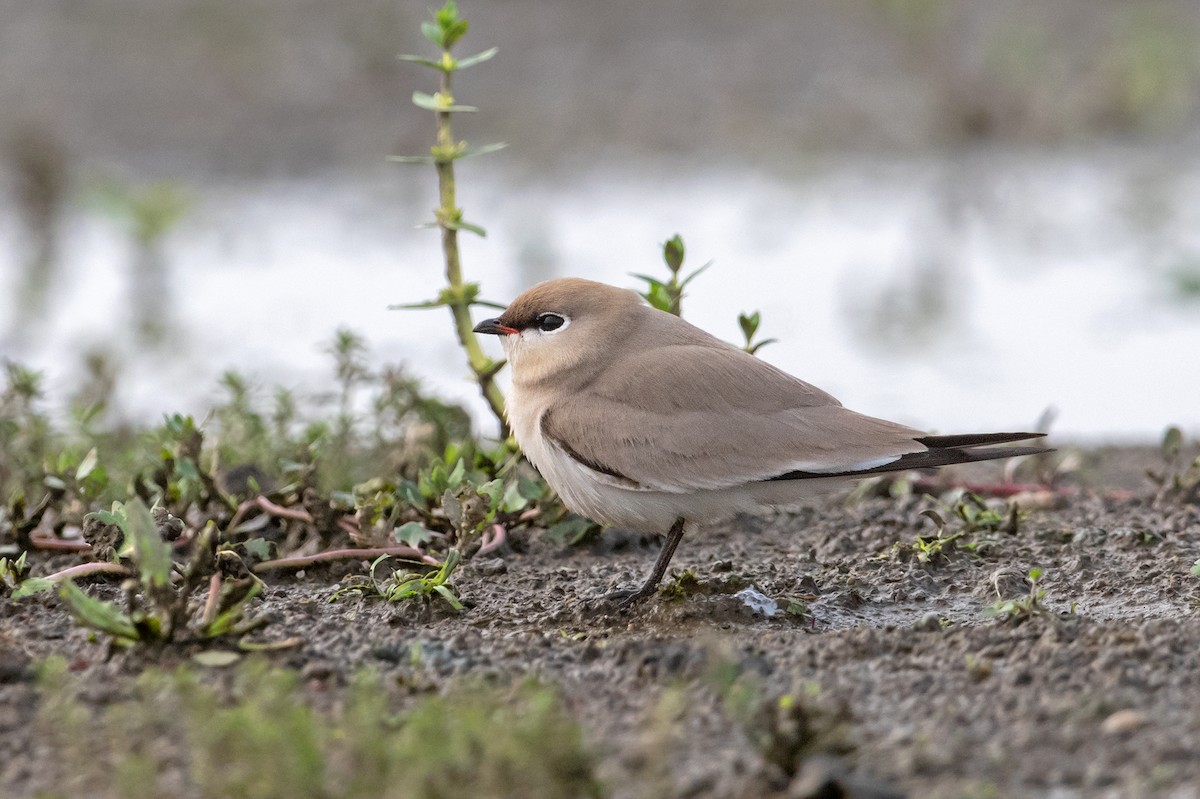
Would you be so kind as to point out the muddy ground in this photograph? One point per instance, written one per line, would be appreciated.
(1097, 696)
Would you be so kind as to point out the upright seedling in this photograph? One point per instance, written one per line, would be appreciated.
(667, 295)
(446, 28)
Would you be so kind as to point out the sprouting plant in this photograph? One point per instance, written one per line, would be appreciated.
(404, 584)
(158, 607)
(1196, 567)
(668, 295)
(936, 548)
(969, 516)
(1016, 611)
(411, 585)
(445, 30)
(749, 324)
(976, 515)
(1179, 480)
(461, 495)
(12, 573)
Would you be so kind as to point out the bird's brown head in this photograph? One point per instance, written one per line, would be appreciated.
(558, 323)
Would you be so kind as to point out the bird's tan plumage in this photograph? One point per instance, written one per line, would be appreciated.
(638, 418)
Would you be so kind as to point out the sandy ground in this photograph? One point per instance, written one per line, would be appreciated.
(1096, 696)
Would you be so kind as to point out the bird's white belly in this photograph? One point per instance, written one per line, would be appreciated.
(604, 499)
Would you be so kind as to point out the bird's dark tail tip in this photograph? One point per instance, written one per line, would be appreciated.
(943, 451)
(975, 439)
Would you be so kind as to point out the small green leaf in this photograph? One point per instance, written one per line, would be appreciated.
(493, 490)
(483, 149)
(186, 469)
(447, 15)
(749, 324)
(102, 616)
(659, 298)
(572, 531)
(439, 102)
(514, 500)
(454, 32)
(426, 101)
(87, 465)
(95, 482)
(258, 548)
(754, 349)
(652, 282)
(412, 534)
(462, 224)
(412, 306)
(404, 590)
(421, 60)
(433, 32)
(449, 596)
(32, 585)
(695, 274)
(115, 517)
(673, 252)
(410, 159)
(478, 58)
(153, 555)
(410, 493)
(1195, 570)
(530, 488)
(1172, 442)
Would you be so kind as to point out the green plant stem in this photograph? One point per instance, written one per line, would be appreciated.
(448, 214)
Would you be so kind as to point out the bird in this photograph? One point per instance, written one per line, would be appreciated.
(640, 420)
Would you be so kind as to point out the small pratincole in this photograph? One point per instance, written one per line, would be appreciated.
(641, 420)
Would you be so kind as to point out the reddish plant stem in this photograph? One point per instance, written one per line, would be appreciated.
(59, 544)
(90, 569)
(492, 539)
(210, 603)
(269, 507)
(301, 561)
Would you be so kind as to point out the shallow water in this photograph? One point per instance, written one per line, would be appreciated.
(952, 294)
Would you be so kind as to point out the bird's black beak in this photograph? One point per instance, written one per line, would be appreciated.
(494, 328)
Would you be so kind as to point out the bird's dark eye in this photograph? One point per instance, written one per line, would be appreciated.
(550, 321)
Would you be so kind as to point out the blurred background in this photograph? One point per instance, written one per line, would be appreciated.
(954, 214)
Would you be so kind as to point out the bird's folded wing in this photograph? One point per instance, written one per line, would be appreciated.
(683, 418)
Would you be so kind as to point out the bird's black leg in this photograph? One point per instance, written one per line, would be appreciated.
(628, 598)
